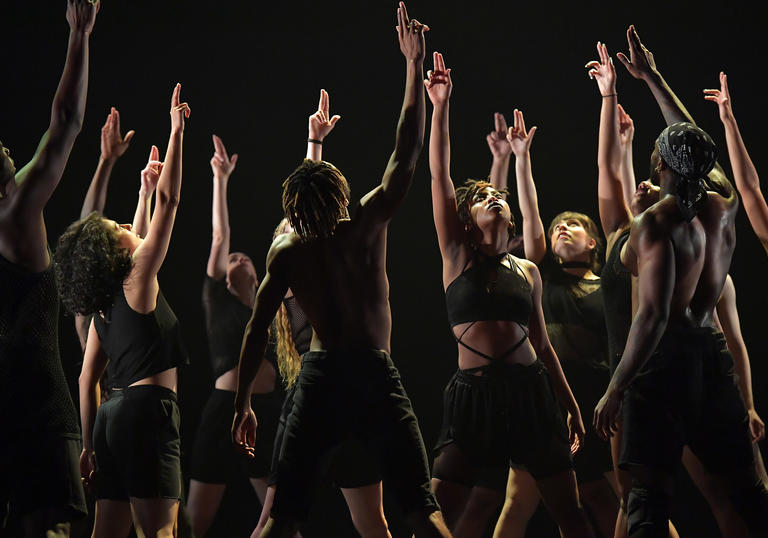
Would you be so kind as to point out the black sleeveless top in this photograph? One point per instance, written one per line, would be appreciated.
(34, 395)
(617, 300)
(139, 345)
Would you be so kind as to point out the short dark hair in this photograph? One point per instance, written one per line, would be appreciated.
(90, 265)
(589, 226)
(466, 193)
(315, 198)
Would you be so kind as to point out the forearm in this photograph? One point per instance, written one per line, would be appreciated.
(89, 405)
(410, 127)
(68, 107)
(533, 228)
(251, 355)
(499, 172)
(744, 371)
(557, 378)
(220, 211)
(627, 173)
(141, 216)
(671, 107)
(169, 184)
(314, 150)
(440, 143)
(96, 197)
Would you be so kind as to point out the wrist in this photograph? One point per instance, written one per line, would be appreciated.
(315, 140)
(108, 160)
(608, 95)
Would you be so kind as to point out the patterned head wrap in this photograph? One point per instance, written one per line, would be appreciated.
(691, 153)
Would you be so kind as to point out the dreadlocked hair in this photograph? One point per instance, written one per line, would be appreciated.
(315, 198)
(90, 265)
(466, 193)
(590, 227)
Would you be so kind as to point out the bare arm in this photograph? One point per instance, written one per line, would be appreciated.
(94, 364)
(320, 124)
(728, 315)
(149, 177)
(626, 136)
(500, 150)
(533, 229)
(744, 171)
(222, 166)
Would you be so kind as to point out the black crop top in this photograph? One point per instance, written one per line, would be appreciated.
(139, 345)
(617, 300)
(489, 291)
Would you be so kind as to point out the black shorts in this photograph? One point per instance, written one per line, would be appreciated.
(507, 417)
(351, 395)
(41, 473)
(215, 460)
(588, 383)
(686, 393)
(136, 441)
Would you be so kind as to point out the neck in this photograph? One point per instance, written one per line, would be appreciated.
(246, 297)
(492, 241)
(578, 267)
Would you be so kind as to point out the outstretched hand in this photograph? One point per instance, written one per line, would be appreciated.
(722, 97)
(244, 431)
(519, 139)
(81, 15)
(640, 63)
(626, 127)
(179, 110)
(410, 33)
(221, 163)
(321, 122)
(497, 139)
(113, 144)
(602, 71)
(151, 173)
(607, 412)
(438, 82)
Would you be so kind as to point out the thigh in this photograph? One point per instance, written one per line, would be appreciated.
(155, 517)
(112, 519)
(366, 507)
(214, 458)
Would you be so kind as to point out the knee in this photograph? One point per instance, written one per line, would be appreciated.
(370, 525)
(647, 510)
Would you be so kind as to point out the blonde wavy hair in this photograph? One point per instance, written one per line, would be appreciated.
(288, 358)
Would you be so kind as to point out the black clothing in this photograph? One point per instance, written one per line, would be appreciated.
(301, 329)
(507, 417)
(358, 395)
(617, 301)
(34, 395)
(225, 321)
(215, 460)
(139, 345)
(686, 394)
(136, 442)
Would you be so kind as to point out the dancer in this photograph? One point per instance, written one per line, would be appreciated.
(680, 248)
(228, 294)
(105, 269)
(499, 407)
(348, 385)
(41, 438)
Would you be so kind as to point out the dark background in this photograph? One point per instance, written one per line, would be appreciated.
(251, 74)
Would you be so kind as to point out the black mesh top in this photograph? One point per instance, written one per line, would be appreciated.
(139, 345)
(573, 310)
(617, 300)
(34, 396)
(301, 329)
(225, 321)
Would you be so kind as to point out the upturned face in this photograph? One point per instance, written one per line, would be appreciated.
(241, 274)
(488, 208)
(126, 237)
(645, 196)
(570, 240)
(7, 166)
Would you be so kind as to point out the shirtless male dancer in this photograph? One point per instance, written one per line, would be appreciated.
(348, 386)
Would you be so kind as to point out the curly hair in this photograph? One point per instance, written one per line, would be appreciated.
(590, 227)
(315, 198)
(90, 265)
(466, 193)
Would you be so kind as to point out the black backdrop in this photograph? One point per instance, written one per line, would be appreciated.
(251, 73)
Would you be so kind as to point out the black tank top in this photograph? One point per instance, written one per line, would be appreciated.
(617, 300)
(34, 396)
(139, 345)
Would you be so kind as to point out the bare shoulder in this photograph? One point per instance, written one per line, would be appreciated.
(282, 249)
(531, 269)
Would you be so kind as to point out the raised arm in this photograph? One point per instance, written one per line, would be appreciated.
(39, 178)
(382, 201)
(149, 178)
(149, 256)
(500, 149)
(320, 124)
(744, 171)
(222, 166)
(533, 229)
(269, 297)
(612, 204)
(113, 145)
(728, 314)
(94, 364)
(626, 136)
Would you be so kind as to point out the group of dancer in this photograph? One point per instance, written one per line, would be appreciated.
(643, 338)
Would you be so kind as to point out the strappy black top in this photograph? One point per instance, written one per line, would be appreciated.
(489, 291)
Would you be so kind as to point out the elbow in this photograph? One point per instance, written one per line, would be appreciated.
(67, 118)
(167, 199)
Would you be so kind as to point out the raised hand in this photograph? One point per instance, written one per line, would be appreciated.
(244, 431)
(179, 111)
(81, 15)
(603, 72)
(151, 173)
(410, 33)
(497, 139)
(221, 163)
(626, 127)
(321, 123)
(113, 144)
(519, 139)
(640, 63)
(722, 97)
(438, 82)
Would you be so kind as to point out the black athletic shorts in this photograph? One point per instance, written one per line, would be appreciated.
(351, 395)
(506, 417)
(588, 383)
(686, 393)
(136, 441)
(215, 460)
(42, 473)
